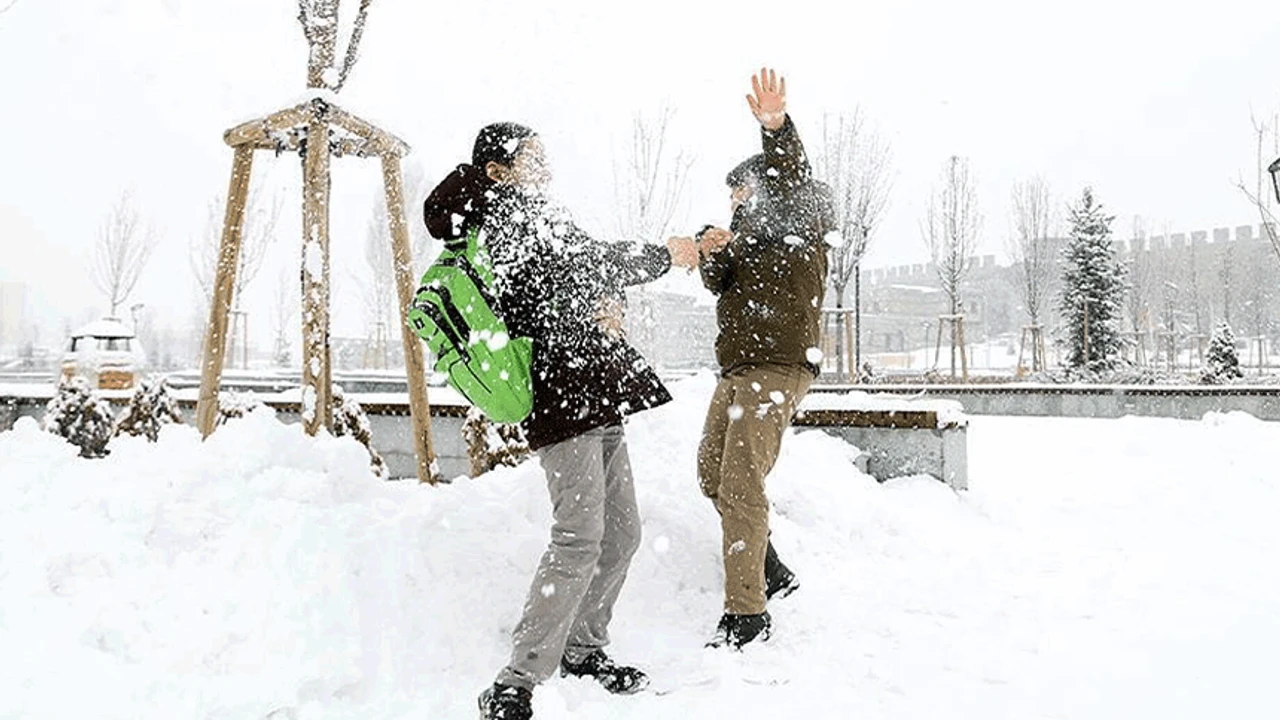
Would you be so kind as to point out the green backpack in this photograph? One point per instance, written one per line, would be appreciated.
(456, 312)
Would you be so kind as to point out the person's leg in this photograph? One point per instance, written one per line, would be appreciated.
(768, 397)
(711, 447)
(575, 480)
(621, 540)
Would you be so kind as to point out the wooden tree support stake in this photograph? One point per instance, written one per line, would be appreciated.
(414, 362)
(317, 388)
(215, 339)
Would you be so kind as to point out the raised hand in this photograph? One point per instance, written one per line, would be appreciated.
(769, 102)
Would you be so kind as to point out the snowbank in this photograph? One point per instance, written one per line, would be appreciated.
(264, 574)
(949, 412)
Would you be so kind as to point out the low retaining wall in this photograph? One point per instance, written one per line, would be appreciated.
(898, 436)
(1184, 402)
(895, 442)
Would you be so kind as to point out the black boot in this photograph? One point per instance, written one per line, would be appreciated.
(504, 702)
(734, 631)
(617, 679)
(779, 581)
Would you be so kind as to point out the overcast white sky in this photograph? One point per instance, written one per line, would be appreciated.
(1147, 101)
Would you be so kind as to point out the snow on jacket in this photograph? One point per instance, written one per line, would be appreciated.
(771, 278)
(551, 279)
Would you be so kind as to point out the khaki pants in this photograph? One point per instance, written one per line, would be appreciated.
(750, 410)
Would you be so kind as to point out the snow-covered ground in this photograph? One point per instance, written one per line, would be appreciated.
(1097, 569)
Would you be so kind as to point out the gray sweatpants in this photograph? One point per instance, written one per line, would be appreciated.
(594, 533)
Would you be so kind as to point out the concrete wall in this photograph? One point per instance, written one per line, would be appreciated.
(899, 452)
(1186, 403)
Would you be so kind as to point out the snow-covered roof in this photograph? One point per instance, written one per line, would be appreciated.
(104, 328)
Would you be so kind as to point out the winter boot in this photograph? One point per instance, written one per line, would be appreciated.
(617, 679)
(505, 702)
(734, 631)
(779, 581)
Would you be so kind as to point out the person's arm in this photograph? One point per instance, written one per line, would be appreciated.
(636, 265)
(785, 159)
(716, 265)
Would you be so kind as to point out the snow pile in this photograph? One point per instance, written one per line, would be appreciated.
(264, 574)
(949, 412)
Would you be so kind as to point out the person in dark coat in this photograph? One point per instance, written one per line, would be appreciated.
(768, 272)
(563, 289)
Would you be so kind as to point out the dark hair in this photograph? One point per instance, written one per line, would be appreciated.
(751, 168)
(498, 143)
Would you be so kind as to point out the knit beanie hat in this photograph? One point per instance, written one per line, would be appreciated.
(498, 143)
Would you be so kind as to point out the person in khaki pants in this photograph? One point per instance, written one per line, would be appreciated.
(769, 272)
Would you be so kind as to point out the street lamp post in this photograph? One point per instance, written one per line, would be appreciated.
(1274, 169)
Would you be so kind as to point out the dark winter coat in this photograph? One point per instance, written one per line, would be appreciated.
(551, 278)
(772, 277)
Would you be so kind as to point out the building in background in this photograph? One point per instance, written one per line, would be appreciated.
(13, 316)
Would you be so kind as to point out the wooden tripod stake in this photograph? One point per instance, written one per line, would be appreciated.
(956, 323)
(1032, 335)
(317, 129)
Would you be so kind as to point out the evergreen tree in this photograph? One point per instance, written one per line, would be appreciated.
(1093, 287)
(151, 408)
(80, 416)
(349, 418)
(1223, 363)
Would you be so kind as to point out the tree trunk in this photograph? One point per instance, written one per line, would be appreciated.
(839, 333)
(857, 319)
(955, 310)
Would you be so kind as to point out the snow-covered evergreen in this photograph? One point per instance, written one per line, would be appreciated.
(151, 408)
(1093, 287)
(80, 416)
(490, 445)
(233, 405)
(1223, 363)
(349, 419)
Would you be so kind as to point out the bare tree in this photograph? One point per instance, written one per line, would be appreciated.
(649, 184)
(1227, 280)
(1260, 195)
(319, 20)
(261, 219)
(378, 285)
(5, 7)
(950, 229)
(1142, 279)
(854, 162)
(121, 253)
(1032, 246)
(284, 305)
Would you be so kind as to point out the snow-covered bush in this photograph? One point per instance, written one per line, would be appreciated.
(77, 414)
(1223, 363)
(349, 419)
(151, 408)
(491, 444)
(233, 405)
